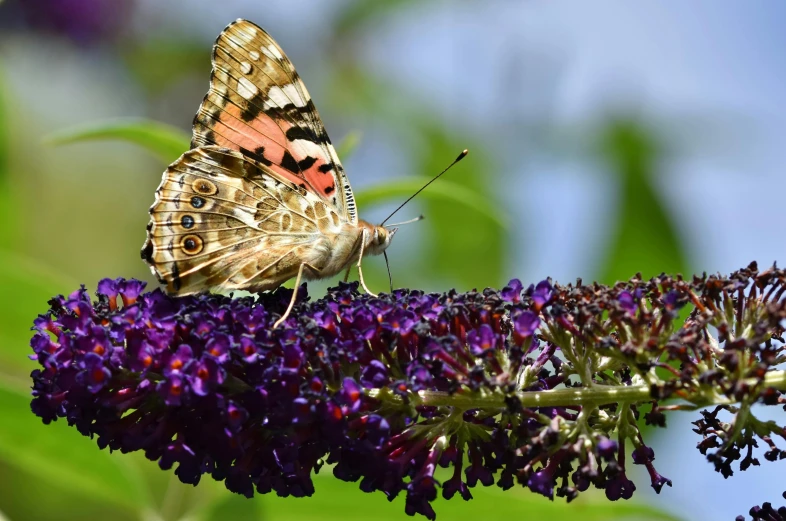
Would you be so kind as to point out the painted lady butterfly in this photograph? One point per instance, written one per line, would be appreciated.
(261, 197)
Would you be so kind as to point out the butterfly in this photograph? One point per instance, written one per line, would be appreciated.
(261, 197)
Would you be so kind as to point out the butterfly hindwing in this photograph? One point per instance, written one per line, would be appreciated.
(223, 221)
(258, 105)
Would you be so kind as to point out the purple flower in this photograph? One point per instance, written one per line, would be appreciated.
(386, 388)
(481, 340)
(206, 375)
(399, 321)
(525, 324)
(628, 302)
(512, 292)
(93, 374)
(541, 294)
(375, 374)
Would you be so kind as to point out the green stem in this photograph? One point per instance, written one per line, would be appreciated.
(596, 395)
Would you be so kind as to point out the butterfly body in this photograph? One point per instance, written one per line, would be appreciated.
(261, 197)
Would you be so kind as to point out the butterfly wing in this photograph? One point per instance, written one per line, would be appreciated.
(258, 105)
(222, 221)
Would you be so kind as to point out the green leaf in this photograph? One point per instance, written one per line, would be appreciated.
(342, 501)
(443, 190)
(62, 457)
(164, 141)
(646, 238)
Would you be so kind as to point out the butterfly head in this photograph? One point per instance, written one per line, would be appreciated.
(380, 240)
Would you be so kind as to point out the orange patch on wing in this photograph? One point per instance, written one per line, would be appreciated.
(263, 131)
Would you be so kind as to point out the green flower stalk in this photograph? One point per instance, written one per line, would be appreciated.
(544, 387)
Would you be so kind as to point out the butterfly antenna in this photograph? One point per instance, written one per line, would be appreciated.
(390, 277)
(461, 156)
(416, 219)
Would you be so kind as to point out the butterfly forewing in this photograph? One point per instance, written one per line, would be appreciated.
(223, 221)
(258, 105)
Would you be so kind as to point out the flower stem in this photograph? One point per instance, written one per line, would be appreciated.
(598, 394)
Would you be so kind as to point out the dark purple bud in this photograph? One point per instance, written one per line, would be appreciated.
(607, 449)
(643, 455)
(620, 488)
(542, 482)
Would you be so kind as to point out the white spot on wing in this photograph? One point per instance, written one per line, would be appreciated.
(246, 89)
(245, 67)
(274, 51)
(309, 148)
(282, 96)
(254, 55)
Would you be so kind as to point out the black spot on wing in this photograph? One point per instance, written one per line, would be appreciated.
(253, 108)
(329, 189)
(289, 163)
(257, 154)
(305, 164)
(326, 168)
(307, 134)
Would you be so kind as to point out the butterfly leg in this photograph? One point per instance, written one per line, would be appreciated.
(294, 293)
(346, 275)
(360, 258)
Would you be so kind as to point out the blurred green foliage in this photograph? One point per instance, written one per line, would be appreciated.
(459, 248)
(7, 233)
(644, 238)
(164, 141)
(464, 242)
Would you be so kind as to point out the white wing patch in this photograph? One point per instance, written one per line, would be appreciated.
(286, 95)
(246, 89)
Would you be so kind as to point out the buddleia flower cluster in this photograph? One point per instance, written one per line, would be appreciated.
(420, 394)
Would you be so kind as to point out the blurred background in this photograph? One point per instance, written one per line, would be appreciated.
(606, 138)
